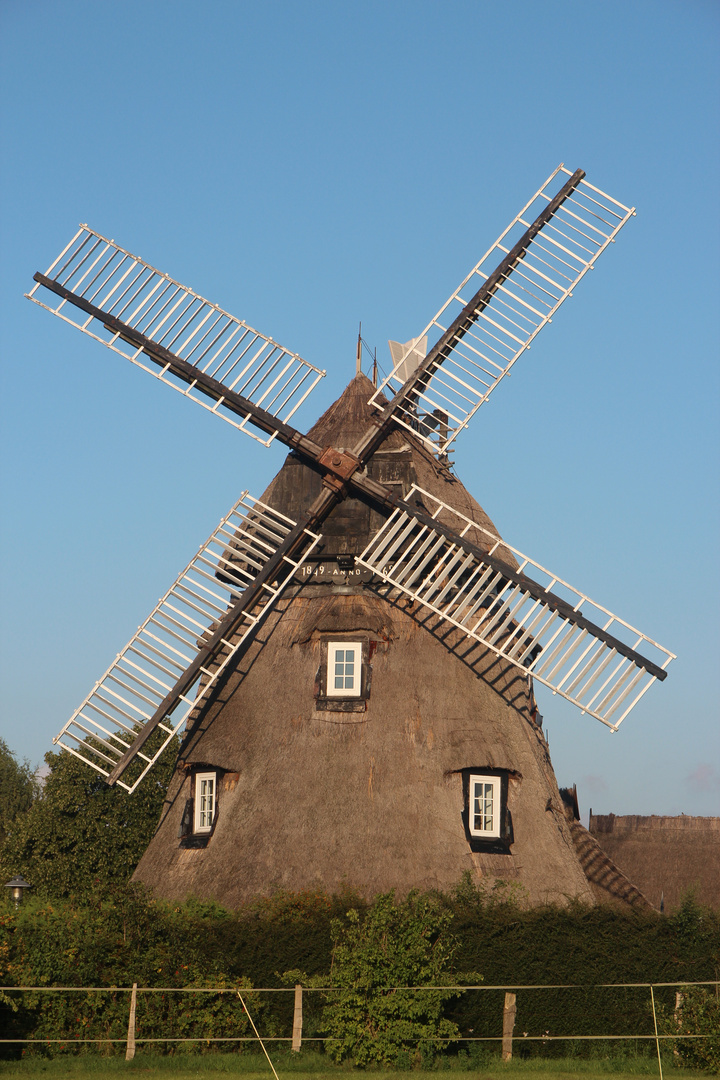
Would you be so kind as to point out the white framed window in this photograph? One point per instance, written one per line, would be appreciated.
(484, 798)
(205, 796)
(344, 669)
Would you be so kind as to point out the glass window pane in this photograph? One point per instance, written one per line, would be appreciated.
(483, 813)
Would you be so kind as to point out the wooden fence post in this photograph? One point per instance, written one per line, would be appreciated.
(297, 1018)
(130, 1052)
(677, 1017)
(509, 1010)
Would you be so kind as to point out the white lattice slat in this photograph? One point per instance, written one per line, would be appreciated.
(174, 317)
(103, 728)
(540, 624)
(523, 302)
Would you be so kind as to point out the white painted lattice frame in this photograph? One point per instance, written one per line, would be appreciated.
(175, 317)
(105, 725)
(524, 302)
(495, 782)
(506, 617)
(344, 692)
(200, 802)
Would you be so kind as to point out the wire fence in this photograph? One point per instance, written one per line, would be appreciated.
(55, 1016)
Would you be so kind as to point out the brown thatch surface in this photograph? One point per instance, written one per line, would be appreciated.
(371, 798)
(664, 856)
(608, 883)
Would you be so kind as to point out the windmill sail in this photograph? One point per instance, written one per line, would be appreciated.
(503, 303)
(544, 627)
(143, 314)
(433, 554)
(185, 644)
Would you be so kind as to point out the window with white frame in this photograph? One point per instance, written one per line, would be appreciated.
(344, 669)
(205, 797)
(484, 798)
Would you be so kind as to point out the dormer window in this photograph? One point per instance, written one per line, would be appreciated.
(344, 669)
(485, 814)
(342, 682)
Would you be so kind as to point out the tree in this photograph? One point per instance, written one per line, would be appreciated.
(80, 834)
(18, 789)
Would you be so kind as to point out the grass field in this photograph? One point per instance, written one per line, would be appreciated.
(313, 1066)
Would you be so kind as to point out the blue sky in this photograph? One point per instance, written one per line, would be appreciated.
(310, 165)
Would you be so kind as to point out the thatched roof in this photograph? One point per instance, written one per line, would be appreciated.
(371, 797)
(664, 856)
(607, 881)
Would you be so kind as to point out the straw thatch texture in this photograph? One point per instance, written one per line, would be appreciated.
(664, 856)
(312, 796)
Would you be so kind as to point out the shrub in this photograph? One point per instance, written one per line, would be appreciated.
(699, 1014)
(369, 1019)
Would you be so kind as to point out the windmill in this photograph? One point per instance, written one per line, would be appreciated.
(367, 502)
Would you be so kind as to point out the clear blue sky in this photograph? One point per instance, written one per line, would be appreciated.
(310, 165)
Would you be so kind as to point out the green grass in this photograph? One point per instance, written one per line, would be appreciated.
(310, 1065)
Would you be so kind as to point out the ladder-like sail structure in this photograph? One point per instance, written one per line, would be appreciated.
(167, 329)
(503, 303)
(183, 647)
(541, 624)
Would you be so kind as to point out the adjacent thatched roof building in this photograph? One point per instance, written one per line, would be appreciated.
(428, 761)
(608, 883)
(664, 856)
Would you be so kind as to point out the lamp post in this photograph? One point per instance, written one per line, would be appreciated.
(17, 887)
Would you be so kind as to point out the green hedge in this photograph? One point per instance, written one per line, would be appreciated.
(124, 937)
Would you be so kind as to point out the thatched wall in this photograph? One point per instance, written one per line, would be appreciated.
(664, 856)
(371, 799)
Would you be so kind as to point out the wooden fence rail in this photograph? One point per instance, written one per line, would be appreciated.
(296, 1039)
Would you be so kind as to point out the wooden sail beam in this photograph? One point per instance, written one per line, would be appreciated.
(462, 324)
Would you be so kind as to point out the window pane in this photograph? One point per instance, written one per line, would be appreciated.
(206, 801)
(343, 680)
(483, 807)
